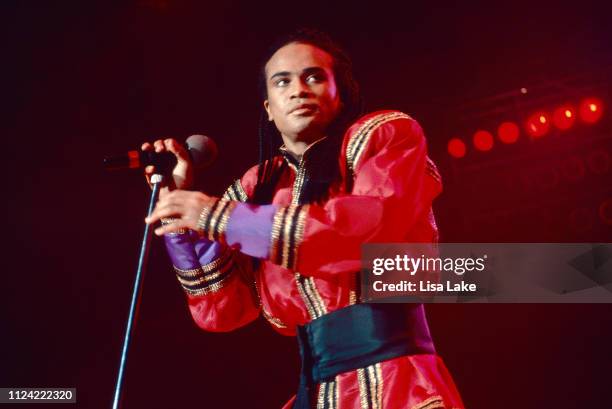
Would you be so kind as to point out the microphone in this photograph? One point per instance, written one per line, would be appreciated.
(202, 151)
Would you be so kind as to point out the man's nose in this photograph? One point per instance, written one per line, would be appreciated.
(300, 90)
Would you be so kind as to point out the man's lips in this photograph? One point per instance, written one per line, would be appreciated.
(304, 108)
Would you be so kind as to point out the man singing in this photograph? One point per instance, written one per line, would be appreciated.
(284, 240)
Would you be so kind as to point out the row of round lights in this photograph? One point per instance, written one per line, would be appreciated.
(536, 126)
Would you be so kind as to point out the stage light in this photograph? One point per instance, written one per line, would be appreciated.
(591, 110)
(508, 132)
(537, 125)
(564, 117)
(483, 140)
(456, 148)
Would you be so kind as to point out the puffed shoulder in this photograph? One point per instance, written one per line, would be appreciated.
(383, 127)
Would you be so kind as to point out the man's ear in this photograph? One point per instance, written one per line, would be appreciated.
(267, 108)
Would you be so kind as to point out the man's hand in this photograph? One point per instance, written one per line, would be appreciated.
(182, 174)
(184, 206)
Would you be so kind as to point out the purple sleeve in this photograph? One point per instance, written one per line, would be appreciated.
(187, 251)
(250, 227)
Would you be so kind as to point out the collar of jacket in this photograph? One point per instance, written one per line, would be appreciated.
(310, 150)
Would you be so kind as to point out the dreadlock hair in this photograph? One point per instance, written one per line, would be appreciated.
(325, 159)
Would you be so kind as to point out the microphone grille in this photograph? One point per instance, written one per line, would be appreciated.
(203, 150)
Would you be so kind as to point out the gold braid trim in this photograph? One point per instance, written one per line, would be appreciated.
(213, 220)
(229, 194)
(310, 288)
(242, 195)
(322, 395)
(299, 233)
(213, 288)
(199, 280)
(328, 395)
(204, 218)
(298, 183)
(379, 383)
(214, 273)
(370, 386)
(375, 385)
(220, 228)
(358, 142)
(236, 192)
(195, 273)
(215, 264)
(272, 320)
(211, 267)
(215, 217)
(363, 390)
(302, 291)
(287, 234)
(434, 402)
(206, 273)
(275, 236)
(333, 398)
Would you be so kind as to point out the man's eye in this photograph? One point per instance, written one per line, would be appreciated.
(314, 78)
(281, 82)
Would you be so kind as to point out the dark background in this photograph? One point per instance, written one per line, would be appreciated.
(84, 80)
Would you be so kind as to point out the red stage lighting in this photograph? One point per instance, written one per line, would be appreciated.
(456, 148)
(508, 132)
(591, 110)
(537, 125)
(483, 140)
(564, 117)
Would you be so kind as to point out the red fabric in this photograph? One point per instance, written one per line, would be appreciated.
(394, 185)
(416, 381)
(390, 201)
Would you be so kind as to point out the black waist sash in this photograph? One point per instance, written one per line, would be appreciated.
(358, 336)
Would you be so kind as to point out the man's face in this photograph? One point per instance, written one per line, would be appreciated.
(302, 95)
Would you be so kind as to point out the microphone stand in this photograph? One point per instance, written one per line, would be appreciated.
(156, 181)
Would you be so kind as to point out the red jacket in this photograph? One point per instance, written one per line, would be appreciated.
(310, 255)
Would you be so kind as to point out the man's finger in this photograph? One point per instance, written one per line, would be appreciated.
(176, 196)
(164, 211)
(171, 228)
(167, 207)
(159, 146)
(146, 146)
(178, 149)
